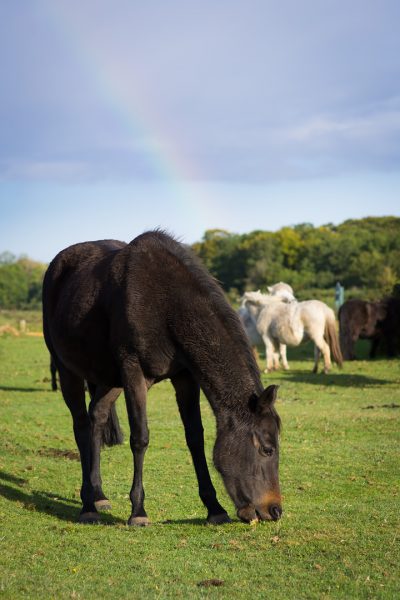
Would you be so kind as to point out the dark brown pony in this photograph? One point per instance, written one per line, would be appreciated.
(375, 321)
(129, 315)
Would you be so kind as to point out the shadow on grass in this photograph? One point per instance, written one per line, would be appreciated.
(202, 522)
(12, 478)
(64, 509)
(195, 521)
(305, 352)
(67, 509)
(340, 379)
(10, 388)
(57, 453)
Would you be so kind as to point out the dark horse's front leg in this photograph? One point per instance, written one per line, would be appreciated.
(135, 389)
(188, 399)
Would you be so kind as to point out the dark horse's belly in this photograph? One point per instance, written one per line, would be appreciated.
(90, 355)
(95, 363)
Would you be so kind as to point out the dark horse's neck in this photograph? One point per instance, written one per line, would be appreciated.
(223, 362)
(200, 320)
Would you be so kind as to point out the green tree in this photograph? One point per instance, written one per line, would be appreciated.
(358, 252)
(219, 252)
(20, 282)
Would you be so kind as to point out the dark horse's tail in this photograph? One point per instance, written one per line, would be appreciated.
(332, 339)
(112, 433)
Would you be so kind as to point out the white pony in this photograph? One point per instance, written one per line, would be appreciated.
(279, 322)
(282, 290)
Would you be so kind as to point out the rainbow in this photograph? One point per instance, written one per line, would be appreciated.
(166, 164)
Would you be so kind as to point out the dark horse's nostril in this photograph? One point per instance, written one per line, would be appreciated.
(275, 511)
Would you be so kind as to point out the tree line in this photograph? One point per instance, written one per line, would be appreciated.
(20, 281)
(362, 253)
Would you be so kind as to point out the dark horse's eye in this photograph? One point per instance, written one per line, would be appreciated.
(266, 450)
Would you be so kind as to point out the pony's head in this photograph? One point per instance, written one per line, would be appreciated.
(255, 302)
(257, 298)
(283, 290)
(247, 457)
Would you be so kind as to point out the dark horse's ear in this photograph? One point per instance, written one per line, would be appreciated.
(264, 402)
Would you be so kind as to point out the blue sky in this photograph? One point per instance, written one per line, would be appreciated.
(119, 117)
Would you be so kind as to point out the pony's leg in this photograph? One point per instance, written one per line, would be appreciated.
(374, 346)
(73, 391)
(317, 354)
(255, 352)
(347, 342)
(326, 352)
(136, 395)
(188, 399)
(352, 338)
(269, 353)
(275, 358)
(102, 399)
(323, 347)
(282, 352)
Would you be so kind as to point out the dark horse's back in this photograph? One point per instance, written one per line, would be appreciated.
(103, 301)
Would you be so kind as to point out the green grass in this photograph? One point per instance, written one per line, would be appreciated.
(339, 476)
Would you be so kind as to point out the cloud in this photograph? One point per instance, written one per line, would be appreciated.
(379, 126)
(236, 91)
(45, 170)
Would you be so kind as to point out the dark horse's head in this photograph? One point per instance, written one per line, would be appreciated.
(247, 457)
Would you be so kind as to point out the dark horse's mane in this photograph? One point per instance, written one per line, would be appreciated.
(213, 290)
(209, 285)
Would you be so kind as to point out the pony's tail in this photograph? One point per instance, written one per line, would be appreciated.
(112, 433)
(332, 339)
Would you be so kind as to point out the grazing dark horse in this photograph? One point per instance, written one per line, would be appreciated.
(376, 321)
(130, 315)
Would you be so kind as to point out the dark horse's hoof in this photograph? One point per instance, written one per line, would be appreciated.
(218, 519)
(139, 521)
(89, 518)
(103, 504)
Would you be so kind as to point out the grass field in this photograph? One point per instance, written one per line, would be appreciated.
(338, 537)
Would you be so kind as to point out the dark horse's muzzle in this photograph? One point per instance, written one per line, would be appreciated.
(268, 508)
(275, 511)
(250, 513)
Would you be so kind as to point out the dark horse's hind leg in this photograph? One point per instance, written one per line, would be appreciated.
(188, 399)
(135, 389)
(102, 399)
(53, 371)
(73, 390)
